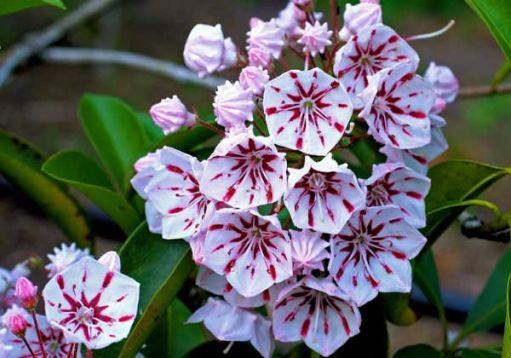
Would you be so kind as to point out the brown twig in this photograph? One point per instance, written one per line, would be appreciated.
(482, 91)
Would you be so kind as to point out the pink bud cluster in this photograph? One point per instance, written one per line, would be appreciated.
(274, 216)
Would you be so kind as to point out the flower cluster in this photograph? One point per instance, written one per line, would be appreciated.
(276, 216)
(86, 301)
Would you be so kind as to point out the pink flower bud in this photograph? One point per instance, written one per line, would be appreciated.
(315, 38)
(15, 320)
(444, 82)
(233, 105)
(171, 114)
(206, 50)
(111, 260)
(259, 57)
(290, 20)
(266, 36)
(26, 292)
(254, 78)
(357, 17)
(303, 3)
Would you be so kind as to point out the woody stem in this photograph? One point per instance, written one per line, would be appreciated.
(39, 335)
(28, 346)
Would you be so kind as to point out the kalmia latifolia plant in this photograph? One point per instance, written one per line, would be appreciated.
(289, 239)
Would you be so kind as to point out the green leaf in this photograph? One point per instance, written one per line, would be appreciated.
(115, 133)
(452, 183)
(502, 74)
(186, 138)
(489, 310)
(20, 164)
(506, 343)
(496, 14)
(418, 351)
(182, 338)
(161, 267)
(479, 353)
(153, 132)
(79, 171)
(12, 6)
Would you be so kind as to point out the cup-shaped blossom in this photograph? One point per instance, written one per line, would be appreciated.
(371, 253)
(306, 111)
(396, 107)
(175, 193)
(234, 324)
(358, 17)
(53, 341)
(170, 114)
(308, 250)
(254, 78)
(315, 38)
(418, 159)
(373, 49)
(445, 84)
(26, 292)
(91, 304)
(233, 105)
(267, 36)
(207, 50)
(64, 257)
(317, 312)
(395, 184)
(252, 251)
(323, 195)
(245, 171)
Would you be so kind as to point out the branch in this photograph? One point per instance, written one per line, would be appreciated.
(36, 42)
(71, 56)
(480, 91)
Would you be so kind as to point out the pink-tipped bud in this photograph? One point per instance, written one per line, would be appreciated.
(266, 35)
(111, 260)
(17, 325)
(444, 82)
(360, 16)
(171, 114)
(26, 292)
(233, 105)
(254, 78)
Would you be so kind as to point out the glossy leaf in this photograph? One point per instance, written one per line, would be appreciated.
(153, 132)
(489, 310)
(182, 337)
(12, 6)
(479, 353)
(161, 267)
(506, 343)
(115, 133)
(452, 183)
(418, 351)
(496, 14)
(79, 171)
(20, 164)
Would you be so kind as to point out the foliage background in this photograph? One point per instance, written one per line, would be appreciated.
(40, 103)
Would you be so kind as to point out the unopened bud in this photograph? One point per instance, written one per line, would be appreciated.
(26, 292)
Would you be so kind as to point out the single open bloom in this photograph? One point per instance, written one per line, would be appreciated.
(322, 195)
(54, 342)
(395, 184)
(371, 253)
(252, 251)
(308, 251)
(91, 304)
(306, 111)
(245, 171)
(373, 49)
(317, 312)
(175, 193)
(397, 104)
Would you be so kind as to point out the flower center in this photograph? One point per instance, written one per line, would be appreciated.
(52, 347)
(317, 182)
(364, 60)
(84, 315)
(378, 195)
(308, 104)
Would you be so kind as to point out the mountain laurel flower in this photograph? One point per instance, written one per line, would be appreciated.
(322, 195)
(111, 260)
(252, 251)
(306, 111)
(171, 115)
(267, 36)
(317, 312)
(26, 292)
(147, 161)
(15, 319)
(358, 17)
(207, 51)
(234, 324)
(176, 195)
(245, 171)
(53, 341)
(445, 84)
(396, 107)
(395, 184)
(259, 57)
(91, 304)
(371, 253)
(308, 251)
(254, 78)
(233, 105)
(63, 257)
(373, 49)
(315, 38)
